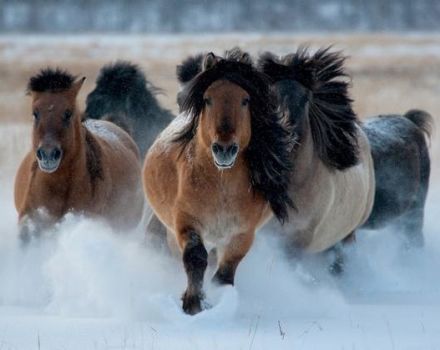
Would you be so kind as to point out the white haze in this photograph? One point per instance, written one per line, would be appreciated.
(86, 287)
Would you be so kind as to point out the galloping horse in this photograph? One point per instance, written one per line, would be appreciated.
(332, 182)
(402, 168)
(125, 97)
(91, 168)
(219, 170)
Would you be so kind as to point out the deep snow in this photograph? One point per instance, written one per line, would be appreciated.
(86, 287)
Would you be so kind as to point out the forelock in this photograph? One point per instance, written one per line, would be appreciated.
(51, 80)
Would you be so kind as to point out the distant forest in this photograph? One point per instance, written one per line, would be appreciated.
(171, 16)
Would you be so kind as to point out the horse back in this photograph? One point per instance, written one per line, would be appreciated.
(112, 135)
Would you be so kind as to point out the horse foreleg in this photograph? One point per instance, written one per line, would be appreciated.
(195, 261)
(32, 226)
(233, 253)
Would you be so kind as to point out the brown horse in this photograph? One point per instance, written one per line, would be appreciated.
(217, 172)
(91, 168)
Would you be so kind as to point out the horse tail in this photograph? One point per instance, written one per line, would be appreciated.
(124, 96)
(333, 123)
(422, 119)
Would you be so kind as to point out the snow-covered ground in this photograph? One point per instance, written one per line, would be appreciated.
(86, 287)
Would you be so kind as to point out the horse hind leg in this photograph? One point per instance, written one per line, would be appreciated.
(231, 256)
(337, 267)
(411, 226)
(412, 220)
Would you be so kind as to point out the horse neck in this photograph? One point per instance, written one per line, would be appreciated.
(305, 159)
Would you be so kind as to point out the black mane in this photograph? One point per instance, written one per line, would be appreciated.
(267, 154)
(333, 122)
(124, 96)
(189, 68)
(51, 80)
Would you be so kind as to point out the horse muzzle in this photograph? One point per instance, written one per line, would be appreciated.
(49, 158)
(224, 155)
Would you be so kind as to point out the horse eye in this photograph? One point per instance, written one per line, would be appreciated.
(36, 115)
(67, 115)
(245, 102)
(207, 101)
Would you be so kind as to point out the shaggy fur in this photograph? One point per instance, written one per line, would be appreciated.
(189, 68)
(50, 80)
(268, 151)
(332, 119)
(125, 97)
(402, 168)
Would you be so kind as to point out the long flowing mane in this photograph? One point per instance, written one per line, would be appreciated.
(268, 152)
(333, 122)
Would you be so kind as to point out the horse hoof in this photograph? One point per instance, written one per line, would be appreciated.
(191, 304)
(221, 279)
(337, 267)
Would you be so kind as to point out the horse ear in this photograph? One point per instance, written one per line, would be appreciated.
(245, 58)
(76, 86)
(209, 61)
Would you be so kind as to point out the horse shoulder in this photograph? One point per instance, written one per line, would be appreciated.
(160, 178)
(350, 199)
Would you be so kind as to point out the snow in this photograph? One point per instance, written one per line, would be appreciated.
(83, 286)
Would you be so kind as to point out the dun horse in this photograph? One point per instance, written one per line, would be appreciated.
(216, 173)
(124, 96)
(332, 182)
(91, 168)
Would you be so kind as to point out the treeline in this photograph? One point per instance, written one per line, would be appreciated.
(171, 16)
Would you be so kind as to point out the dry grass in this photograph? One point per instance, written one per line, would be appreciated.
(391, 73)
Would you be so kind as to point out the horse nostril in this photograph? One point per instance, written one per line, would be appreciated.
(216, 148)
(56, 154)
(40, 154)
(233, 149)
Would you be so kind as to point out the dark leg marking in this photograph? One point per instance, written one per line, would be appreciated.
(195, 260)
(337, 267)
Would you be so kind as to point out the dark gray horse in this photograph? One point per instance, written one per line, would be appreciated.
(402, 167)
(124, 96)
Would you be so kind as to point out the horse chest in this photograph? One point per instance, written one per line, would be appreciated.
(221, 210)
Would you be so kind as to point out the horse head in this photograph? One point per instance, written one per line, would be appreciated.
(56, 119)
